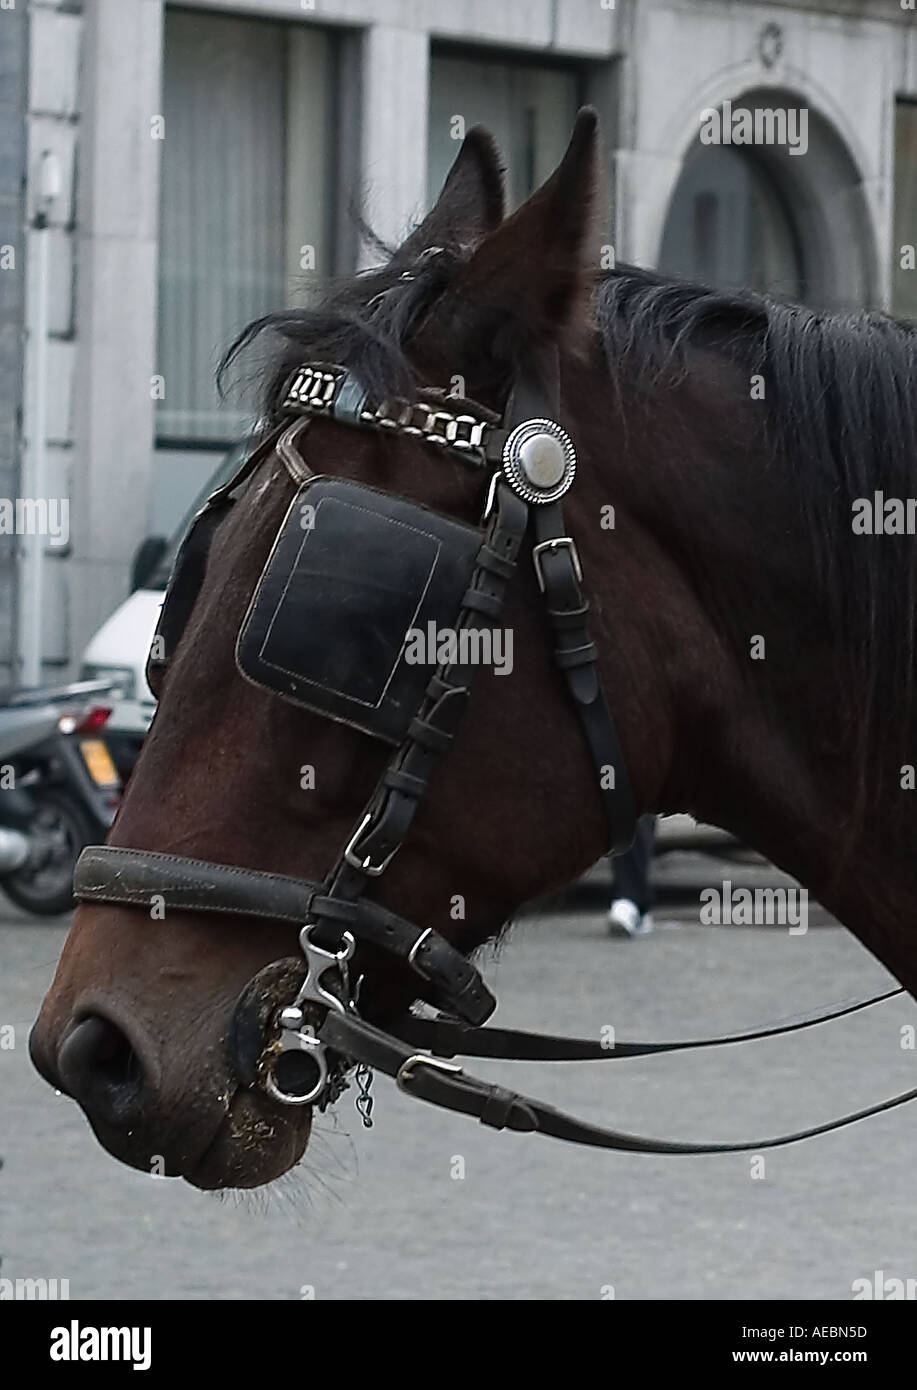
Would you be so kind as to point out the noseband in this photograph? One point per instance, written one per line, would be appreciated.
(331, 638)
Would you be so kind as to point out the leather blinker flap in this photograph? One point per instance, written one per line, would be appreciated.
(190, 566)
(184, 587)
(352, 572)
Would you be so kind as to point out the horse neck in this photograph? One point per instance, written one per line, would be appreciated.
(706, 555)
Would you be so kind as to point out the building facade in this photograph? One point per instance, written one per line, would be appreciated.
(210, 156)
(13, 96)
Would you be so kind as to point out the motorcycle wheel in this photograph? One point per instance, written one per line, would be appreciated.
(47, 891)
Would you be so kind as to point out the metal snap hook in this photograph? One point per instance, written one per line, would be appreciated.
(296, 1068)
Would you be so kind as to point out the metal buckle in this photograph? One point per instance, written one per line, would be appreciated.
(364, 866)
(556, 543)
(420, 1059)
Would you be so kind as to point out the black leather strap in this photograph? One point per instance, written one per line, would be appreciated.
(133, 878)
(536, 393)
(447, 1086)
(446, 1037)
(404, 784)
(577, 658)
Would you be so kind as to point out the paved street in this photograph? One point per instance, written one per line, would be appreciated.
(387, 1214)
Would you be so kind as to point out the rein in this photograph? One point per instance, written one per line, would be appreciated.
(304, 1051)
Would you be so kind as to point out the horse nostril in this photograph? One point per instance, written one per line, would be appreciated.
(100, 1068)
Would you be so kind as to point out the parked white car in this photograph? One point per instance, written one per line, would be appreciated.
(118, 651)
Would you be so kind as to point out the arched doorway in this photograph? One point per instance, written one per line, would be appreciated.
(796, 226)
(728, 225)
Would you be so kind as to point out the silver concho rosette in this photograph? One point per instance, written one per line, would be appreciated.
(539, 461)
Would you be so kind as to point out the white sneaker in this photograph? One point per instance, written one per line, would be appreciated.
(625, 916)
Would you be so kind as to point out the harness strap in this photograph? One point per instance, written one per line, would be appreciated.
(445, 1085)
(557, 569)
(446, 1037)
(391, 810)
(576, 656)
(131, 878)
(134, 878)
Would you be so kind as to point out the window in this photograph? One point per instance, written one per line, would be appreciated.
(904, 280)
(728, 226)
(244, 194)
(528, 108)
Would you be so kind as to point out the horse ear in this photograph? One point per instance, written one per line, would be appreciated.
(471, 204)
(531, 279)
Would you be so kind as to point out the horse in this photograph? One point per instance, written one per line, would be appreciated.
(756, 651)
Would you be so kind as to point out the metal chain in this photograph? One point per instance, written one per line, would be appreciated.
(364, 1101)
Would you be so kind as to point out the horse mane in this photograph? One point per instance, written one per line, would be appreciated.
(841, 420)
(840, 413)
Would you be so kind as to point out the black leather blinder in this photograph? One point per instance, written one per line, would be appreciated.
(352, 573)
(184, 586)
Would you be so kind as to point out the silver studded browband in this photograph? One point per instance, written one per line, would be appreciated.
(336, 393)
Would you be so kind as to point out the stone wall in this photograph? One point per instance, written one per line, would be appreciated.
(53, 123)
(13, 78)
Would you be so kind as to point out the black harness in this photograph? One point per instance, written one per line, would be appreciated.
(351, 573)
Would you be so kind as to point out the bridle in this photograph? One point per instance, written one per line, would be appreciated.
(304, 1051)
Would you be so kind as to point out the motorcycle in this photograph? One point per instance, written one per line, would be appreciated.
(59, 790)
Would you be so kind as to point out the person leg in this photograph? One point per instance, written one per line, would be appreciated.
(632, 895)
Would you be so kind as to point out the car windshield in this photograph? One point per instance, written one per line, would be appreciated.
(228, 465)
